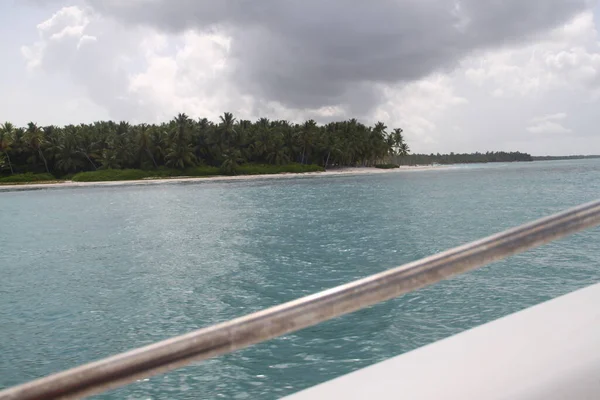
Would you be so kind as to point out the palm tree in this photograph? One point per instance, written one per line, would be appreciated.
(180, 155)
(380, 127)
(182, 124)
(19, 149)
(86, 144)
(6, 140)
(35, 139)
(144, 142)
(276, 151)
(123, 142)
(183, 142)
(397, 136)
(227, 128)
(232, 159)
(330, 146)
(306, 136)
(404, 150)
(110, 160)
(395, 141)
(68, 157)
(290, 142)
(159, 140)
(262, 141)
(391, 148)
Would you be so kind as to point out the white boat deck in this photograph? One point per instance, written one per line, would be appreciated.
(547, 352)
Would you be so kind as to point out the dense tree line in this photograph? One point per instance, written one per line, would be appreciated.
(452, 158)
(184, 142)
(557, 158)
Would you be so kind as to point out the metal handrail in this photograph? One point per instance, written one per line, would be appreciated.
(239, 333)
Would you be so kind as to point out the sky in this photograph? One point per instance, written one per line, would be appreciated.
(456, 75)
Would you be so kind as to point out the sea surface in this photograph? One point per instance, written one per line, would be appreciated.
(89, 272)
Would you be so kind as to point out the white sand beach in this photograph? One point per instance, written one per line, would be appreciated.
(164, 181)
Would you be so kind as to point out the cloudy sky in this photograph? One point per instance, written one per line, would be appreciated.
(456, 75)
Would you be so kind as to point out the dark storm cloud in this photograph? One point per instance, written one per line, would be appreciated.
(311, 53)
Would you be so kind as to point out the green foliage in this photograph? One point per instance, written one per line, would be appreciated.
(138, 174)
(387, 166)
(261, 169)
(163, 172)
(26, 178)
(231, 162)
(111, 175)
(200, 171)
(108, 150)
(452, 158)
(182, 144)
(558, 158)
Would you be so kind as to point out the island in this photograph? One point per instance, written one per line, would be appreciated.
(190, 148)
(107, 150)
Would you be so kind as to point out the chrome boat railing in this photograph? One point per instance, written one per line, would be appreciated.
(124, 368)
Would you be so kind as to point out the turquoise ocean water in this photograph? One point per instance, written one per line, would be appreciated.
(86, 273)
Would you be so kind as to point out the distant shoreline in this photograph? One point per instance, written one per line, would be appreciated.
(561, 158)
(67, 184)
(163, 181)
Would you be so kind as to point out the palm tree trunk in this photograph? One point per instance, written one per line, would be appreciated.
(152, 157)
(90, 160)
(9, 163)
(327, 161)
(44, 159)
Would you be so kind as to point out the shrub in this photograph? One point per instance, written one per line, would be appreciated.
(387, 166)
(202, 171)
(111, 175)
(138, 174)
(261, 169)
(162, 172)
(26, 178)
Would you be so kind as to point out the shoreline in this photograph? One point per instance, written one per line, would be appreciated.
(178, 180)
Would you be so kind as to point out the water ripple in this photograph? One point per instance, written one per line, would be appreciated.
(91, 272)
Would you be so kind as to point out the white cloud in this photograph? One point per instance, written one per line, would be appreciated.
(549, 124)
(67, 23)
(490, 101)
(143, 75)
(86, 39)
(550, 117)
(193, 79)
(416, 108)
(548, 127)
(96, 54)
(566, 58)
